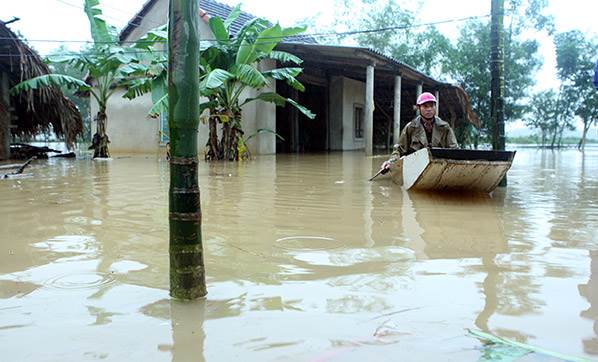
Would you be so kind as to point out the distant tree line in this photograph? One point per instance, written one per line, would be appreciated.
(466, 62)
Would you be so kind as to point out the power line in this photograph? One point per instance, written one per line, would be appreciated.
(315, 35)
(111, 17)
(81, 7)
(312, 35)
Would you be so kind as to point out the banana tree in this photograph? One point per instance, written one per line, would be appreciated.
(107, 66)
(230, 68)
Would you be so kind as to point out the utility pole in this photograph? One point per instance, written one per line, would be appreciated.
(497, 82)
(187, 270)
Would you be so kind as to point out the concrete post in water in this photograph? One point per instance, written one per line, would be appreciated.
(187, 271)
(369, 111)
(396, 131)
(497, 81)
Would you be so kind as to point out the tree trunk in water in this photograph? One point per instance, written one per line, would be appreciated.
(234, 143)
(497, 81)
(224, 141)
(561, 130)
(229, 142)
(497, 75)
(100, 140)
(187, 271)
(582, 141)
(553, 139)
(214, 151)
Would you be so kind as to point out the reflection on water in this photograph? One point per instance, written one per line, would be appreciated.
(306, 260)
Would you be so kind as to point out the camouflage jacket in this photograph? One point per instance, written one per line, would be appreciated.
(413, 137)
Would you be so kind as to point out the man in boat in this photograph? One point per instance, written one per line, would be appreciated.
(426, 130)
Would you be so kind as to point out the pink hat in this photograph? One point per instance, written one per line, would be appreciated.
(425, 97)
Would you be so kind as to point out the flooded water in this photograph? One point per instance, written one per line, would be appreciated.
(306, 261)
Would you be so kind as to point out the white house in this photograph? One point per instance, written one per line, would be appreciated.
(361, 97)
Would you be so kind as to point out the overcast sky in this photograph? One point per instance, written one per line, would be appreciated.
(64, 20)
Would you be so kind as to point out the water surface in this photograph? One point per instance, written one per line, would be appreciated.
(306, 261)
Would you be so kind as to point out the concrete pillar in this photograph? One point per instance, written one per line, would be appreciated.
(396, 130)
(419, 91)
(369, 111)
(437, 95)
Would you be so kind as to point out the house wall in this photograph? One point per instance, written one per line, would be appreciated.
(265, 118)
(131, 130)
(156, 17)
(129, 127)
(353, 93)
(345, 93)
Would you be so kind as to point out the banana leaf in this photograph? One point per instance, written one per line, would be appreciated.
(502, 349)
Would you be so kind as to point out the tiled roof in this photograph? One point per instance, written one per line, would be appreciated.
(211, 8)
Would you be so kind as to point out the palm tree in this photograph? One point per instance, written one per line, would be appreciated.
(187, 272)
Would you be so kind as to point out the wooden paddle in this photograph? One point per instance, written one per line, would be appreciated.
(382, 171)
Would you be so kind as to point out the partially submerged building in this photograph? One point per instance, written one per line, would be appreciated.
(31, 112)
(361, 97)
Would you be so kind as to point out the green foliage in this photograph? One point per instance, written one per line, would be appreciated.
(575, 66)
(466, 61)
(74, 95)
(536, 139)
(106, 67)
(230, 66)
(47, 80)
(544, 114)
(469, 64)
(422, 49)
(100, 31)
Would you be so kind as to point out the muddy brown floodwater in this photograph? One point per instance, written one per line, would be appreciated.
(306, 261)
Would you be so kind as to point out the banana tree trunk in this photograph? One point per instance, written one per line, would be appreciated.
(225, 141)
(214, 152)
(229, 143)
(234, 144)
(100, 140)
(187, 271)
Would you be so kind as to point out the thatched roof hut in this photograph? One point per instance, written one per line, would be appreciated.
(35, 111)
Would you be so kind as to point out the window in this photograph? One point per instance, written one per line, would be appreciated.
(358, 121)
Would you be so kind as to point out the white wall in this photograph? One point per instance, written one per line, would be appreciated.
(344, 94)
(129, 128)
(131, 131)
(353, 93)
(156, 17)
(265, 118)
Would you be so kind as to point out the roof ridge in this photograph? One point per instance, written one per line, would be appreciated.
(208, 8)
